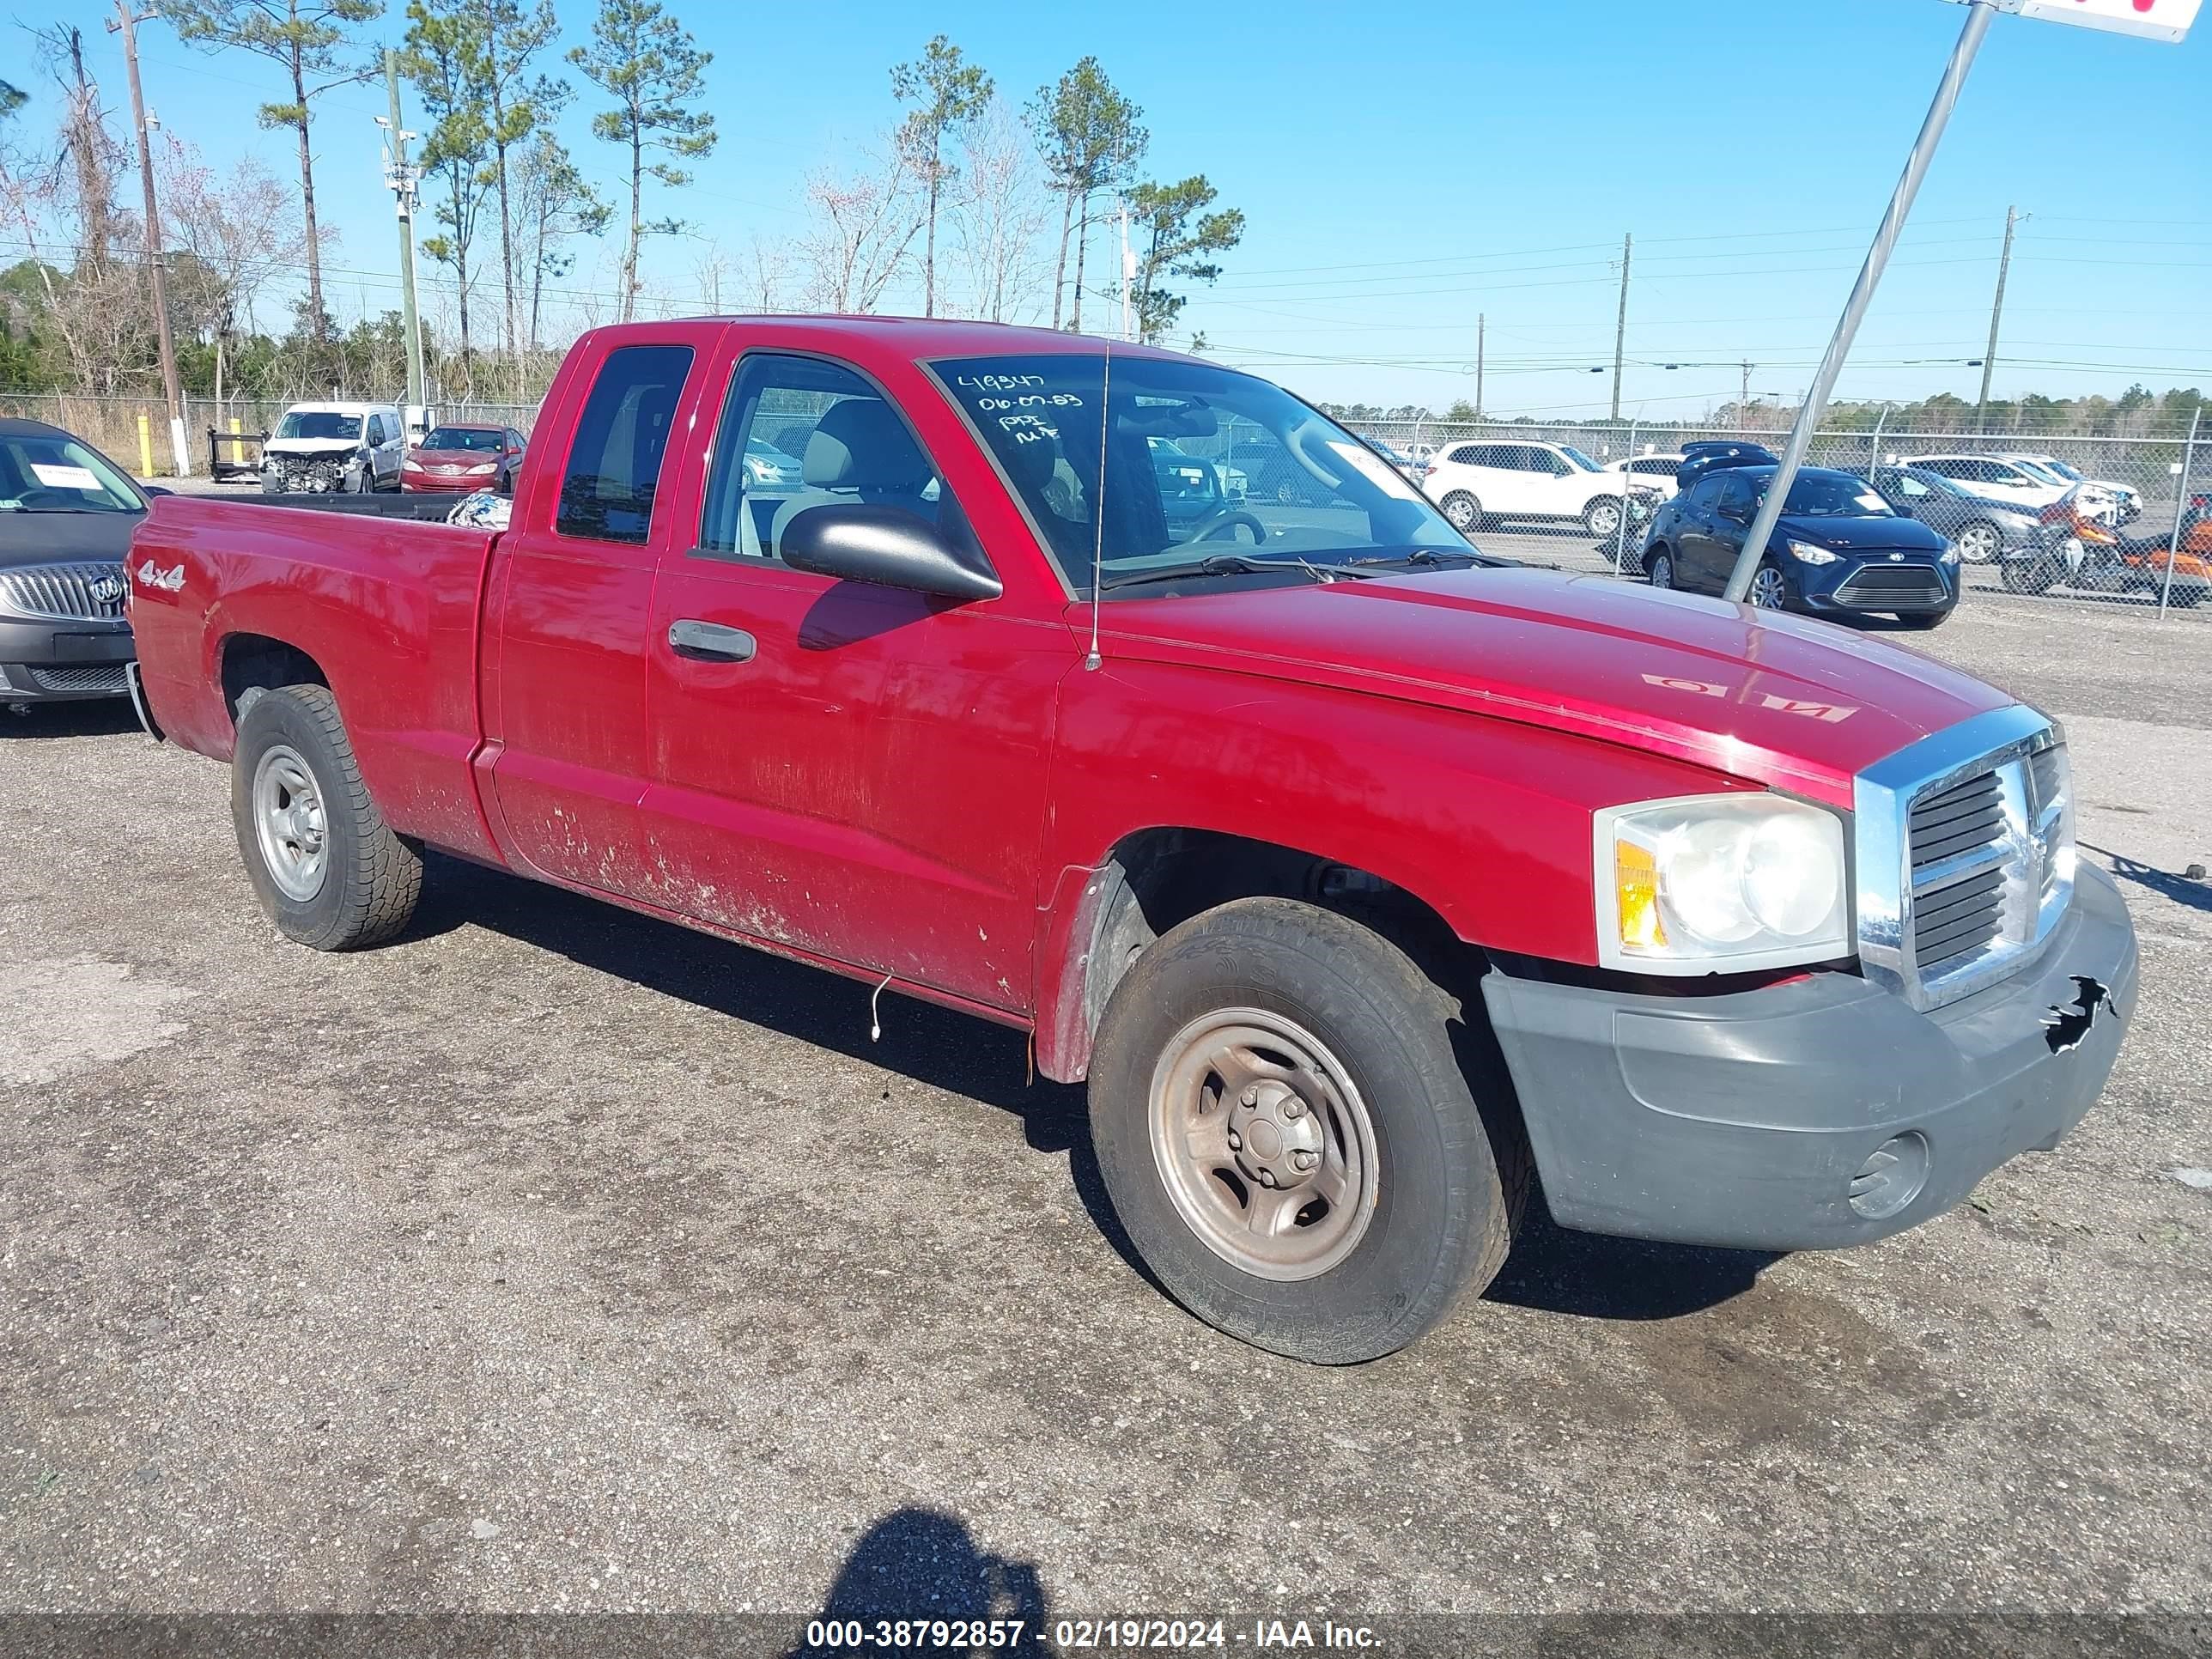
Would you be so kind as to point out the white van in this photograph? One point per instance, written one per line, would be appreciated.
(339, 446)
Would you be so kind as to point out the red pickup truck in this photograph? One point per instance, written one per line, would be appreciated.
(1124, 699)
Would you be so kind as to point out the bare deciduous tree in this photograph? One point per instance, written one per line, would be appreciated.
(860, 229)
(237, 236)
(1001, 218)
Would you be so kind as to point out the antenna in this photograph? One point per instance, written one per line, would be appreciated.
(1098, 506)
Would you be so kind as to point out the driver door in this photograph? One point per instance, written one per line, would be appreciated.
(852, 771)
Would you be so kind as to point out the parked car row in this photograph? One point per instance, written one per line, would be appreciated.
(357, 448)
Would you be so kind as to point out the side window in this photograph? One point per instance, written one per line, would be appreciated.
(1734, 494)
(1472, 455)
(1543, 460)
(1703, 493)
(798, 433)
(375, 431)
(614, 463)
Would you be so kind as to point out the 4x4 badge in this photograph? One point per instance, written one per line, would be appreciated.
(169, 581)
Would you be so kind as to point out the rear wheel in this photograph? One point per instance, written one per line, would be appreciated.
(1980, 542)
(1601, 518)
(1463, 510)
(2035, 575)
(1285, 1130)
(325, 866)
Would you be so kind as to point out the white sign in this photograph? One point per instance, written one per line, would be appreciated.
(2154, 20)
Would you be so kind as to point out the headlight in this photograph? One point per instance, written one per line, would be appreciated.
(1950, 555)
(1808, 554)
(1720, 884)
(485, 466)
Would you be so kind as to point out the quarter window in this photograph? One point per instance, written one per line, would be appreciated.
(622, 438)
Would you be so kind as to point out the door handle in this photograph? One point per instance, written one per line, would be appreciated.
(705, 641)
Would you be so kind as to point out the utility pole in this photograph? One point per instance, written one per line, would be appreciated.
(400, 180)
(1128, 270)
(1743, 397)
(1996, 315)
(126, 25)
(1620, 328)
(1481, 338)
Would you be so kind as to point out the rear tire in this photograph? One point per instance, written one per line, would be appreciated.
(325, 866)
(1603, 518)
(1463, 511)
(1659, 568)
(1239, 1033)
(1980, 542)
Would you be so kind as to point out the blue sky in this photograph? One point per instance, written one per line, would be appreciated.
(1404, 170)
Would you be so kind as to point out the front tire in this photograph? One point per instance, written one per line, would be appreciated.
(325, 866)
(1659, 568)
(1462, 511)
(1770, 589)
(1286, 1133)
(1602, 517)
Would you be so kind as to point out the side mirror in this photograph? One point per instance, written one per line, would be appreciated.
(888, 546)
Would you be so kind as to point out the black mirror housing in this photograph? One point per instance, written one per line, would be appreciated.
(890, 547)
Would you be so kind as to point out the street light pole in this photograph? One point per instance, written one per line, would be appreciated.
(126, 25)
(399, 178)
(1979, 15)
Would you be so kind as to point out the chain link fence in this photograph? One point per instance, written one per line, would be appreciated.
(2055, 519)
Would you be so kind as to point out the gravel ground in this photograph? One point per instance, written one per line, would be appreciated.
(554, 1259)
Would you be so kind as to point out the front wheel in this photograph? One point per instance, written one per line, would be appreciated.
(1286, 1132)
(1602, 517)
(1659, 568)
(1770, 589)
(325, 866)
(2035, 575)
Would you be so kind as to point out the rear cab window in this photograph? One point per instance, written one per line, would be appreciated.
(614, 464)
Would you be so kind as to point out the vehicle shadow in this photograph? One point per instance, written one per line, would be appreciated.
(101, 717)
(935, 1046)
(2196, 895)
(1552, 1270)
(921, 1563)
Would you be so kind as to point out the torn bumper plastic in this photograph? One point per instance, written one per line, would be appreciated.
(1786, 1118)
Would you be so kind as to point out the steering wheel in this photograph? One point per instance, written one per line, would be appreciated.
(40, 497)
(1228, 518)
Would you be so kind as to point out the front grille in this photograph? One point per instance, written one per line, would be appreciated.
(92, 677)
(1879, 585)
(1964, 817)
(64, 593)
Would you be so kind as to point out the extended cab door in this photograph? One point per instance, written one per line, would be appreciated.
(854, 771)
(572, 599)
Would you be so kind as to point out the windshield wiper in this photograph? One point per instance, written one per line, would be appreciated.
(1219, 564)
(1432, 558)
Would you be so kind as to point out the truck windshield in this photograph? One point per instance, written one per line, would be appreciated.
(1195, 461)
(319, 423)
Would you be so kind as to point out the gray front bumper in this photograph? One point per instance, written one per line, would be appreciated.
(1741, 1120)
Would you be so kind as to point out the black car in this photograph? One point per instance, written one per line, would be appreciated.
(1712, 454)
(1838, 550)
(66, 515)
(1983, 529)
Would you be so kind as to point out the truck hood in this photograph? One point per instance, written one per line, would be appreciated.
(1779, 700)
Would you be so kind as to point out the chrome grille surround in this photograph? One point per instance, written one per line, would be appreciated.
(78, 591)
(1996, 801)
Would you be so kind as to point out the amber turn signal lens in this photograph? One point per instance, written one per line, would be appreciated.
(1635, 887)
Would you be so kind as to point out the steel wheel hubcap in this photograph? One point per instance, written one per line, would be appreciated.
(1264, 1143)
(289, 823)
(1767, 590)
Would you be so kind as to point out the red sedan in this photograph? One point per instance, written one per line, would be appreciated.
(454, 459)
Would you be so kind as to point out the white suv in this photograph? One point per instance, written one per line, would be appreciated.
(1476, 482)
(1653, 472)
(322, 447)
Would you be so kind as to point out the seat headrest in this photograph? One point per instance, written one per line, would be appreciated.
(1030, 459)
(862, 445)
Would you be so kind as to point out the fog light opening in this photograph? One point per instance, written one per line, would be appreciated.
(1893, 1177)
